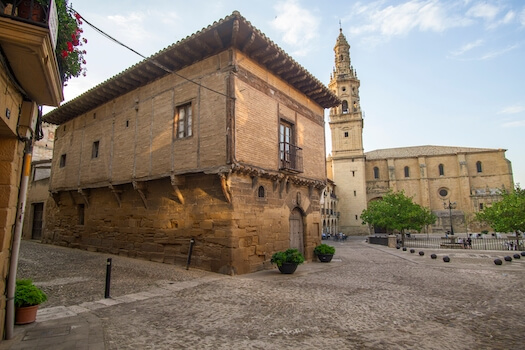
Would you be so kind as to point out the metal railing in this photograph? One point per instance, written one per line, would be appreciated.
(30, 11)
(291, 157)
(457, 243)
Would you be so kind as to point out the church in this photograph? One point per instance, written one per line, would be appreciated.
(453, 182)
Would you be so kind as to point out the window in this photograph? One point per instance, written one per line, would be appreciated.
(94, 149)
(345, 106)
(62, 160)
(184, 121)
(81, 214)
(355, 193)
(407, 171)
(443, 192)
(353, 173)
(479, 167)
(441, 170)
(480, 206)
(376, 172)
(260, 192)
(346, 133)
(355, 106)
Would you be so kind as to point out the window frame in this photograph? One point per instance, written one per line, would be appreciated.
(441, 170)
(184, 124)
(62, 161)
(376, 172)
(95, 149)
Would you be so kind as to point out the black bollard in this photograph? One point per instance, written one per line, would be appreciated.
(446, 259)
(507, 258)
(108, 278)
(192, 242)
(498, 261)
(421, 253)
(433, 256)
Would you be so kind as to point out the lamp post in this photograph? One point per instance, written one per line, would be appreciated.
(450, 206)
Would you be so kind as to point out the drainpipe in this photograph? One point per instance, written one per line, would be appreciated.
(11, 282)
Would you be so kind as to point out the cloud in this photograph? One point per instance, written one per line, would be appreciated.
(399, 20)
(486, 11)
(514, 109)
(492, 54)
(130, 28)
(522, 17)
(297, 25)
(467, 47)
(514, 124)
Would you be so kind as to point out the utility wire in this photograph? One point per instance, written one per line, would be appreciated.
(164, 68)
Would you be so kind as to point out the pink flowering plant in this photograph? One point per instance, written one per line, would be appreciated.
(69, 50)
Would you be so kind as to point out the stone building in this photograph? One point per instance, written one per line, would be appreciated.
(434, 176)
(329, 209)
(217, 138)
(453, 182)
(29, 77)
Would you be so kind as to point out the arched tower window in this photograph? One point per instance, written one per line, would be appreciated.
(441, 170)
(260, 192)
(355, 106)
(407, 171)
(376, 172)
(479, 167)
(341, 58)
(345, 106)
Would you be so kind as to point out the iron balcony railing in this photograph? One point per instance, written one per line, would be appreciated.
(30, 11)
(291, 157)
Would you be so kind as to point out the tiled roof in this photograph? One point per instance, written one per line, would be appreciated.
(232, 31)
(416, 151)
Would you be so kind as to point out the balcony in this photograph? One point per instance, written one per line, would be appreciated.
(27, 46)
(291, 158)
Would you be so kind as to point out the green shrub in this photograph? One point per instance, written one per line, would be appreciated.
(323, 249)
(291, 255)
(27, 294)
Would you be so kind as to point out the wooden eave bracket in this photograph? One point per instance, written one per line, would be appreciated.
(56, 198)
(85, 196)
(226, 186)
(140, 187)
(176, 182)
(116, 192)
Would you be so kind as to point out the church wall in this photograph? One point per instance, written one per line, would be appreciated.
(464, 185)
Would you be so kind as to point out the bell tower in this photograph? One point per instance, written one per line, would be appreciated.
(346, 126)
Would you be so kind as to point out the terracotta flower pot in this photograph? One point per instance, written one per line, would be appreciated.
(26, 314)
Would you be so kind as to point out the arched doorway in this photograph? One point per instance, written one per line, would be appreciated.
(296, 230)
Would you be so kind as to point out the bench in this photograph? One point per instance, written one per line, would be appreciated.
(452, 245)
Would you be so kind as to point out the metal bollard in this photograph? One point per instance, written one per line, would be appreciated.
(192, 242)
(108, 278)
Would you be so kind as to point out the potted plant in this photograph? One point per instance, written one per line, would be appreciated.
(27, 299)
(324, 252)
(288, 260)
(69, 52)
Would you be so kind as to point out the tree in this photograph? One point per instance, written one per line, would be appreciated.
(397, 212)
(507, 215)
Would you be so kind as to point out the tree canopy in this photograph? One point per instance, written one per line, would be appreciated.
(397, 212)
(507, 215)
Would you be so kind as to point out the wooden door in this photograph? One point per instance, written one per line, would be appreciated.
(38, 215)
(296, 230)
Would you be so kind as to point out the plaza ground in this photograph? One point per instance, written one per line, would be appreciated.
(368, 297)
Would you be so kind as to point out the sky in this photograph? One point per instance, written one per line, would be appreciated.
(432, 72)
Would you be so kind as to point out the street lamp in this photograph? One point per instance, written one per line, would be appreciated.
(450, 206)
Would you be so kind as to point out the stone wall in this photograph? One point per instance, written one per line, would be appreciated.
(229, 238)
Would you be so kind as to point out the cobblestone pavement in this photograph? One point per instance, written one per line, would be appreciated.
(368, 297)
